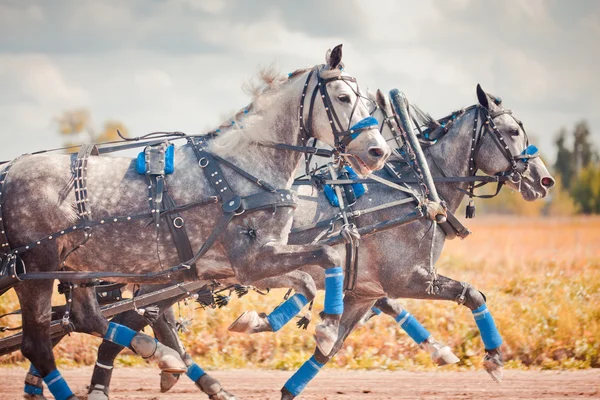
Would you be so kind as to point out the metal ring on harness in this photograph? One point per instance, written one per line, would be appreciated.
(178, 222)
(203, 162)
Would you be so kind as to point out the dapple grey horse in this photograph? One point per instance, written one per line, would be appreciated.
(39, 201)
(400, 262)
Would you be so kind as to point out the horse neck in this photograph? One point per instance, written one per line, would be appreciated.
(451, 154)
(274, 166)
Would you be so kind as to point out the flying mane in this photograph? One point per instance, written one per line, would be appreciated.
(243, 127)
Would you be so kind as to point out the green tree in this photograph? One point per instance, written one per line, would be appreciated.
(586, 189)
(564, 165)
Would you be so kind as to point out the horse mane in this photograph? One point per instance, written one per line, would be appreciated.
(240, 130)
(422, 118)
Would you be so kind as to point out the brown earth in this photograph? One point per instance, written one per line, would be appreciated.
(142, 383)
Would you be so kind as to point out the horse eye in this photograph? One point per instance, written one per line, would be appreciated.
(515, 132)
(344, 98)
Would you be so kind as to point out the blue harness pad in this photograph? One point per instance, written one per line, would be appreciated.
(358, 188)
(140, 164)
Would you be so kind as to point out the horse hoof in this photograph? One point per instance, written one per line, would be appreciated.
(325, 336)
(167, 381)
(493, 365)
(445, 356)
(250, 322)
(28, 396)
(97, 395)
(222, 395)
(169, 360)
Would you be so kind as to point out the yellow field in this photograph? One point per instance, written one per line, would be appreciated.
(541, 278)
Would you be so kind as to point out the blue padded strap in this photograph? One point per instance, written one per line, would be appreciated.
(31, 389)
(331, 195)
(58, 386)
(413, 328)
(487, 327)
(376, 310)
(359, 188)
(363, 123)
(170, 159)
(119, 334)
(286, 311)
(296, 384)
(194, 372)
(334, 291)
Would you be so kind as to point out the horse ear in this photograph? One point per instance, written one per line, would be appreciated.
(381, 100)
(482, 97)
(334, 58)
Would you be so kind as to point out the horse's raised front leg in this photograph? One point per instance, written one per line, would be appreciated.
(305, 288)
(354, 311)
(274, 259)
(165, 331)
(440, 354)
(464, 294)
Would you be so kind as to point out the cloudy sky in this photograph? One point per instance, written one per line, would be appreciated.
(180, 64)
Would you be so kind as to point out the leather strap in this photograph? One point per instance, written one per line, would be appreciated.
(80, 180)
(180, 237)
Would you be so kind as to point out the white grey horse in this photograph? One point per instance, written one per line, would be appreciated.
(39, 212)
(400, 262)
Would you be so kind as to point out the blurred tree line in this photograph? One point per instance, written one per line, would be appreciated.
(577, 172)
(77, 126)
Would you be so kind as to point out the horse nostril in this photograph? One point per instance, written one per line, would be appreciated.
(376, 152)
(547, 182)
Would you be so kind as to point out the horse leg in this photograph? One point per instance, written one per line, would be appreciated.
(276, 259)
(87, 318)
(440, 354)
(36, 311)
(33, 388)
(354, 311)
(464, 294)
(305, 288)
(166, 333)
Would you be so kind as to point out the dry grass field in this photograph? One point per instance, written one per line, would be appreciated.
(541, 277)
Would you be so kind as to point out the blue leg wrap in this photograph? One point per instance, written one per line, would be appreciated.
(415, 330)
(376, 310)
(30, 389)
(334, 291)
(119, 334)
(286, 311)
(296, 384)
(487, 327)
(58, 386)
(194, 372)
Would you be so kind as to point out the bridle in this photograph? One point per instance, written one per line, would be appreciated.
(488, 125)
(343, 136)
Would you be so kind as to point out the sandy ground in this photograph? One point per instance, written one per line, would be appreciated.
(142, 383)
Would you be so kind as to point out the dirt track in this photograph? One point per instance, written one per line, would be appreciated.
(142, 383)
